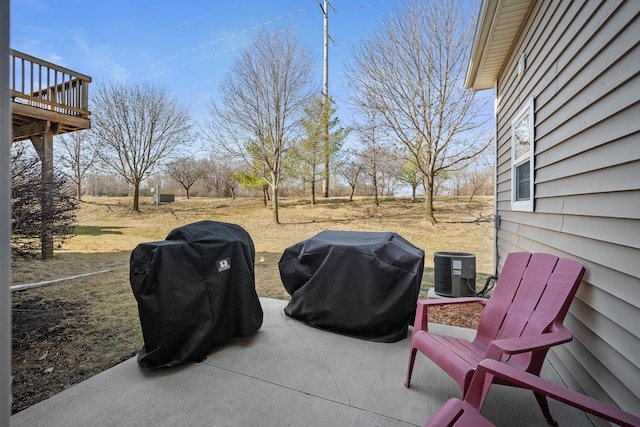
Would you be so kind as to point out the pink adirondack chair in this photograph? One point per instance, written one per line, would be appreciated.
(458, 413)
(520, 322)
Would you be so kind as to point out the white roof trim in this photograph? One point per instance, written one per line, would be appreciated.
(499, 24)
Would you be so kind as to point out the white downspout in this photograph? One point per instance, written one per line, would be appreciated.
(496, 215)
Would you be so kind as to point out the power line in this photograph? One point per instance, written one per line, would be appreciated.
(245, 31)
(223, 39)
(364, 6)
(203, 58)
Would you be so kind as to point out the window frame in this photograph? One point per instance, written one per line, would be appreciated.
(526, 112)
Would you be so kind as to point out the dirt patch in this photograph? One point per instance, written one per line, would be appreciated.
(462, 315)
(41, 358)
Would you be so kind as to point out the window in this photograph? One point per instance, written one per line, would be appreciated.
(522, 157)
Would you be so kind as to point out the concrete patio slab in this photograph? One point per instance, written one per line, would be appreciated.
(288, 374)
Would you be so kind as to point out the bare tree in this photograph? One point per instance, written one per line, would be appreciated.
(30, 218)
(136, 127)
(261, 104)
(78, 156)
(475, 179)
(383, 167)
(372, 155)
(211, 182)
(411, 73)
(479, 182)
(106, 183)
(186, 172)
(228, 175)
(350, 172)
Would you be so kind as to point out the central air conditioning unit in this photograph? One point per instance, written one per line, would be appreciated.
(454, 274)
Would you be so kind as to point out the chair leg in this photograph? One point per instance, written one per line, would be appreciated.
(412, 359)
(544, 405)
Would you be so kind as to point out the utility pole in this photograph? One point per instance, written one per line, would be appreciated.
(325, 95)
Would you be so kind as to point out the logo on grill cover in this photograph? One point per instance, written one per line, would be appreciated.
(223, 264)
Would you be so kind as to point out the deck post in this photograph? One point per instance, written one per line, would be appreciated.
(44, 146)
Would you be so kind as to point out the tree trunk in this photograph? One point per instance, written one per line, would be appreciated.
(79, 191)
(428, 202)
(136, 196)
(276, 216)
(375, 190)
(325, 172)
(313, 193)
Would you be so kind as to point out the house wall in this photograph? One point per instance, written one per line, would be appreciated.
(582, 68)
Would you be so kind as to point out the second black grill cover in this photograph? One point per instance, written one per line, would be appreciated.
(195, 290)
(361, 284)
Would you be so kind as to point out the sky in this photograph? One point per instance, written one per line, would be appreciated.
(184, 46)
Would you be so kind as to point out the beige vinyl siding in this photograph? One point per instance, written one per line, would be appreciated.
(583, 71)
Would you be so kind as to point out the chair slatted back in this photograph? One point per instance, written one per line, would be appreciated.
(532, 292)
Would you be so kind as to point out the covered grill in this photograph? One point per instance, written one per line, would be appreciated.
(195, 290)
(362, 284)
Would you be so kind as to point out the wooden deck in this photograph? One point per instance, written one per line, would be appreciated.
(46, 97)
(46, 100)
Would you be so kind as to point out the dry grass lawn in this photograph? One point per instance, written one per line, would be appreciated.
(108, 230)
(88, 324)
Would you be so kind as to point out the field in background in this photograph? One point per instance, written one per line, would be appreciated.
(71, 330)
(108, 230)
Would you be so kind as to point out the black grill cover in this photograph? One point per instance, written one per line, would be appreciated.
(195, 290)
(361, 284)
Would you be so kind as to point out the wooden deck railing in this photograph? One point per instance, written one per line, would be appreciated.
(41, 84)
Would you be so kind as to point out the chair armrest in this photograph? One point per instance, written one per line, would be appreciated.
(539, 385)
(525, 344)
(422, 312)
(448, 301)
